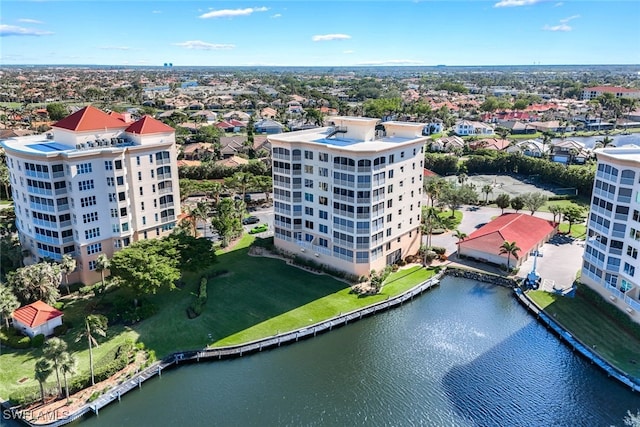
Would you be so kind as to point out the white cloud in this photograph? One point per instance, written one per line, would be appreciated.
(13, 30)
(394, 62)
(327, 37)
(115, 48)
(156, 12)
(562, 28)
(558, 4)
(277, 15)
(515, 3)
(229, 13)
(30, 21)
(571, 18)
(200, 45)
(348, 52)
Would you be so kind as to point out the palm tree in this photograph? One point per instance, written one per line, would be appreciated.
(8, 303)
(511, 249)
(462, 178)
(604, 142)
(102, 264)
(215, 190)
(68, 367)
(95, 324)
(431, 221)
(67, 266)
(556, 210)
(460, 236)
(240, 181)
(201, 212)
(53, 350)
(265, 184)
(487, 189)
(42, 371)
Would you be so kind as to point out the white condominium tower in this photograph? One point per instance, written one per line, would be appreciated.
(92, 185)
(611, 264)
(348, 196)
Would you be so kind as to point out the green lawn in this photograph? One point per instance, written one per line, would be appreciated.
(451, 223)
(578, 231)
(257, 297)
(618, 342)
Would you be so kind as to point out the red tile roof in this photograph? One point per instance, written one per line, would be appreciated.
(36, 314)
(147, 125)
(428, 172)
(88, 119)
(526, 230)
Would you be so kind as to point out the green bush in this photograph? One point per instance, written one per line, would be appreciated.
(16, 341)
(37, 341)
(60, 330)
(197, 307)
(438, 250)
(96, 394)
(58, 305)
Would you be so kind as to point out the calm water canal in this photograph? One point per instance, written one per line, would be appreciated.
(463, 354)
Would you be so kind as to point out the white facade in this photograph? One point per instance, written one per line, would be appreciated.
(610, 260)
(85, 193)
(46, 328)
(466, 128)
(349, 195)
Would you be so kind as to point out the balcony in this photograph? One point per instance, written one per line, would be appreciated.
(343, 198)
(36, 190)
(163, 161)
(47, 254)
(594, 261)
(364, 200)
(61, 191)
(163, 176)
(47, 239)
(343, 183)
(165, 219)
(364, 184)
(35, 174)
(344, 213)
(166, 190)
(282, 210)
(44, 223)
(607, 176)
(343, 228)
(364, 169)
(600, 228)
(42, 207)
(346, 168)
(282, 170)
(64, 224)
(58, 174)
(166, 205)
(281, 156)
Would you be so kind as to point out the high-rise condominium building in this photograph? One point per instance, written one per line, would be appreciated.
(348, 196)
(92, 185)
(611, 264)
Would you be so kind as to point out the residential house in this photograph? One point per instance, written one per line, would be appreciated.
(467, 128)
(198, 151)
(529, 147)
(489, 144)
(568, 151)
(518, 127)
(268, 126)
(232, 161)
(448, 144)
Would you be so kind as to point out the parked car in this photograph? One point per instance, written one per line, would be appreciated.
(259, 229)
(250, 220)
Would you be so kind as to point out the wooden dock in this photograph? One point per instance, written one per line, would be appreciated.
(575, 344)
(226, 352)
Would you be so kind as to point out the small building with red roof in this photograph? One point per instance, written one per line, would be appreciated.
(37, 318)
(529, 233)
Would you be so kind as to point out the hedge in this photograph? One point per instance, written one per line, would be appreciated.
(37, 341)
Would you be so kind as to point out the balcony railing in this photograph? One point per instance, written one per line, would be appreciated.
(166, 205)
(163, 161)
(165, 190)
(169, 218)
(364, 200)
(344, 213)
(36, 174)
(42, 207)
(162, 176)
(44, 223)
(37, 190)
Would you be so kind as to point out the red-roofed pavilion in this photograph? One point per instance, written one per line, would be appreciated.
(529, 233)
(37, 318)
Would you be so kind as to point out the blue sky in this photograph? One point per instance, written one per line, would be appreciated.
(320, 33)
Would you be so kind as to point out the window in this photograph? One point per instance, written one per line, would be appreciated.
(308, 197)
(87, 201)
(390, 188)
(308, 169)
(308, 224)
(390, 173)
(323, 171)
(115, 228)
(141, 206)
(141, 191)
(138, 161)
(308, 155)
(94, 248)
(92, 265)
(402, 154)
(323, 157)
(308, 183)
(391, 158)
(389, 203)
(112, 197)
(83, 168)
(108, 165)
(308, 211)
(114, 213)
(90, 217)
(632, 252)
(152, 174)
(110, 181)
(139, 176)
(323, 228)
(144, 220)
(629, 269)
(118, 164)
(120, 180)
(121, 196)
(323, 201)
(323, 214)
(85, 185)
(92, 233)
(123, 211)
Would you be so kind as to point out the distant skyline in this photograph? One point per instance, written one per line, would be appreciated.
(320, 33)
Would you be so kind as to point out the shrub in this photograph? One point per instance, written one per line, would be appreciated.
(58, 305)
(96, 394)
(197, 307)
(20, 342)
(438, 250)
(60, 330)
(37, 341)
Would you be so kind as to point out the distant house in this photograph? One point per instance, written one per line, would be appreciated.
(269, 127)
(198, 151)
(268, 113)
(551, 126)
(490, 144)
(518, 127)
(467, 128)
(448, 144)
(529, 147)
(232, 162)
(37, 318)
(568, 151)
(529, 233)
